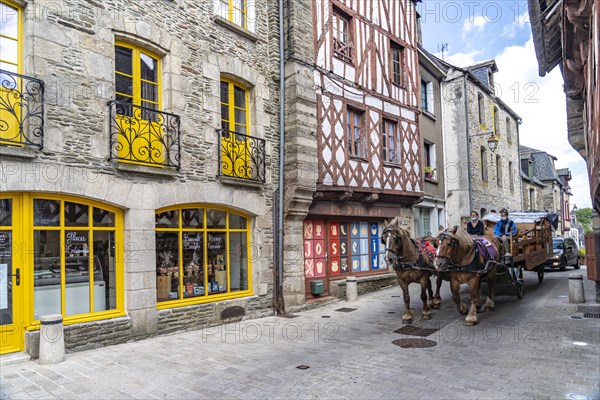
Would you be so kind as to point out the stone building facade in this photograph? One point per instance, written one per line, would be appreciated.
(431, 212)
(151, 213)
(533, 188)
(351, 67)
(555, 191)
(479, 177)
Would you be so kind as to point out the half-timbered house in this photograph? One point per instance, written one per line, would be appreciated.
(366, 76)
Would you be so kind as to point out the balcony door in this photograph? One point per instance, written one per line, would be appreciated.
(11, 277)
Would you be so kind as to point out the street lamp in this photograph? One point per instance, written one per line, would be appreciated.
(492, 140)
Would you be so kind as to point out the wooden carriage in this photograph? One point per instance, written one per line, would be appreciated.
(532, 246)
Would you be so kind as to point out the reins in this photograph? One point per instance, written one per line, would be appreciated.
(400, 265)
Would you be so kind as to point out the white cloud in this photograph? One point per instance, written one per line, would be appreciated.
(541, 104)
(473, 24)
(461, 59)
(510, 30)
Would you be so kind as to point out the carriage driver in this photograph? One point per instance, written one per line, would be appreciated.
(503, 229)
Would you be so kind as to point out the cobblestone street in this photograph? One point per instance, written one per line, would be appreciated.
(529, 348)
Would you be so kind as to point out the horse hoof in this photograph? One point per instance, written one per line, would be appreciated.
(470, 323)
(407, 321)
(489, 308)
(436, 306)
(427, 316)
(463, 312)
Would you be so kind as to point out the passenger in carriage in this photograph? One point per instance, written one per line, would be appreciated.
(475, 226)
(503, 229)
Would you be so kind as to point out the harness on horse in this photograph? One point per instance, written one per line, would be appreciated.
(479, 249)
(419, 263)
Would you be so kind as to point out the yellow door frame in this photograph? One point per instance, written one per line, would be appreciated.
(12, 335)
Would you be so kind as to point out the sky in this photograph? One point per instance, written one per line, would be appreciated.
(476, 31)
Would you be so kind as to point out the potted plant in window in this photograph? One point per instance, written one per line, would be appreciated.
(428, 172)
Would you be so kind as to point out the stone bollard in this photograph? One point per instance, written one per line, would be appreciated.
(351, 288)
(52, 339)
(576, 293)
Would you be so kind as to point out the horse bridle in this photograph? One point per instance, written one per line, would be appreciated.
(397, 258)
(453, 244)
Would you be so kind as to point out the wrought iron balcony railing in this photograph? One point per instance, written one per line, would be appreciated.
(21, 110)
(241, 156)
(144, 136)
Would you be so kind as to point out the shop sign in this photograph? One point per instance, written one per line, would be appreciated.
(191, 242)
(216, 242)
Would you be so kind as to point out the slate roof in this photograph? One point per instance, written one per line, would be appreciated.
(535, 180)
(543, 168)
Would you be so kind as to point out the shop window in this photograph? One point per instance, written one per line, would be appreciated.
(76, 272)
(391, 144)
(357, 146)
(397, 55)
(137, 93)
(341, 247)
(201, 255)
(342, 37)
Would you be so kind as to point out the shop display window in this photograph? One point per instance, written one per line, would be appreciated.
(200, 253)
(75, 264)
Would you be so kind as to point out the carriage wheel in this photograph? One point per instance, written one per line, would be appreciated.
(540, 272)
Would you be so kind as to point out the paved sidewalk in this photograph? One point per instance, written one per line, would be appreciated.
(524, 349)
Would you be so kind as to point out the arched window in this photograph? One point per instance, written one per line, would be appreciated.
(201, 255)
(508, 130)
(484, 171)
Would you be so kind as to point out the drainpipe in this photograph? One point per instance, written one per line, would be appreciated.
(468, 142)
(279, 304)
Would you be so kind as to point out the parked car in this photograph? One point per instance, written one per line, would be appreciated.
(565, 254)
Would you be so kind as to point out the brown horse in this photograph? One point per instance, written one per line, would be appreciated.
(412, 265)
(468, 262)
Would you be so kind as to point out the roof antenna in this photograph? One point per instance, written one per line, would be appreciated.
(443, 47)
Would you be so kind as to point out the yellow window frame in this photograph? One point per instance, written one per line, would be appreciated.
(231, 8)
(147, 127)
(28, 228)
(206, 298)
(230, 145)
(16, 140)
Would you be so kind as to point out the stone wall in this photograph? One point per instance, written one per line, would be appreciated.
(86, 336)
(538, 201)
(71, 46)
(365, 284)
(300, 143)
(491, 194)
(456, 145)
